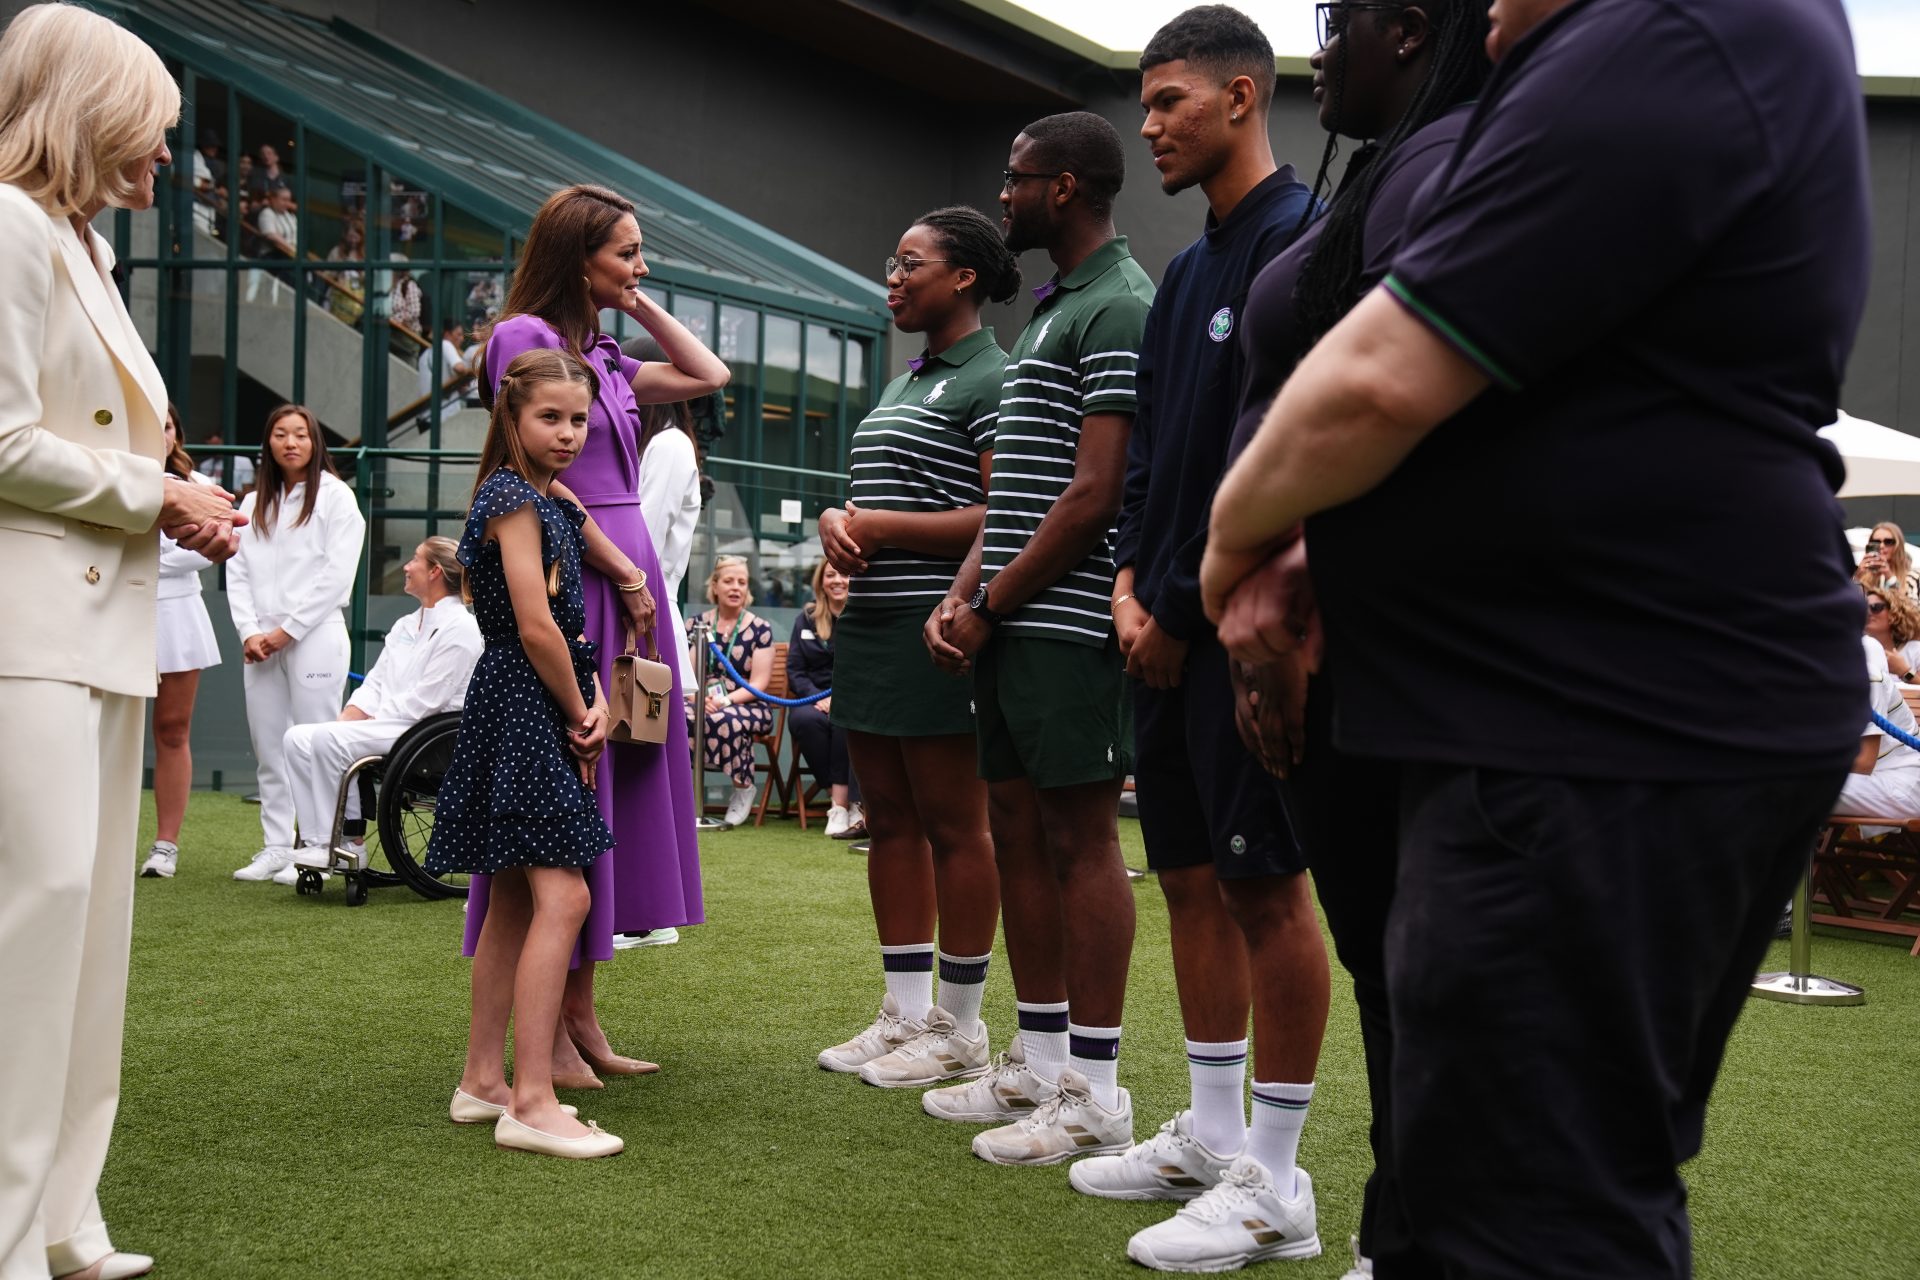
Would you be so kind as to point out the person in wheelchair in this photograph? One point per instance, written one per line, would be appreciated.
(423, 669)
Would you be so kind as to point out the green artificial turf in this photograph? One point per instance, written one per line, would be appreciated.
(289, 1061)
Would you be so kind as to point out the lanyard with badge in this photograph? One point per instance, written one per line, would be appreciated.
(718, 689)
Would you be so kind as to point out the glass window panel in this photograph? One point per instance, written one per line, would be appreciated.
(740, 348)
(820, 441)
(468, 237)
(206, 172)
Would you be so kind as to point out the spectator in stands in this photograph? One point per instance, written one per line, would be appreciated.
(214, 465)
(186, 646)
(455, 373)
(423, 669)
(810, 671)
(404, 309)
(734, 713)
(278, 227)
(209, 185)
(265, 176)
(1886, 561)
(346, 296)
(1885, 778)
(1893, 618)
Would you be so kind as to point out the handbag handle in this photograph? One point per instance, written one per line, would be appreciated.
(653, 649)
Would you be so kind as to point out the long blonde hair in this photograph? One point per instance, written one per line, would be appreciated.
(820, 611)
(82, 100)
(1899, 563)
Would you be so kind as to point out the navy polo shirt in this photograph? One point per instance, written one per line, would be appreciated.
(1625, 559)
(1189, 382)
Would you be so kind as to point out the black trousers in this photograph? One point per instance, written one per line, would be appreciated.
(1565, 960)
(824, 745)
(1345, 811)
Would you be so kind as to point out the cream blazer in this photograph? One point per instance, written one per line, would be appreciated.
(82, 435)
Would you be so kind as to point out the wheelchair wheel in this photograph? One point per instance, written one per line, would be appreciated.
(409, 786)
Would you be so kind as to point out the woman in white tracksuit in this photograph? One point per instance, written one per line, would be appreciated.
(286, 589)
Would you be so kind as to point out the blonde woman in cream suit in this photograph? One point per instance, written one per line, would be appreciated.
(84, 109)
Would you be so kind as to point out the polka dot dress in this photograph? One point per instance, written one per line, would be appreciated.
(512, 796)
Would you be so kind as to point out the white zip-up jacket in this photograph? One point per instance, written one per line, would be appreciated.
(424, 666)
(303, 574)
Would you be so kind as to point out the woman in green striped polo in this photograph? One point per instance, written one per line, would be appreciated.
(920, 463)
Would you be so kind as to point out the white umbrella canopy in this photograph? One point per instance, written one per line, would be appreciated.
(1881, 462)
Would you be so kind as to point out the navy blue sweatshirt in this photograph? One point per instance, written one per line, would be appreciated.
(809, 659)
(1189, 389)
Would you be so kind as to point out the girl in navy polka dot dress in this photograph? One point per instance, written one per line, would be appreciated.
(517, 799)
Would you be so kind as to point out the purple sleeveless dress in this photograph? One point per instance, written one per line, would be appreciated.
(650, 879)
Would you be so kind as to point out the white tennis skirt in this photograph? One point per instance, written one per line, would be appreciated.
(186, 641)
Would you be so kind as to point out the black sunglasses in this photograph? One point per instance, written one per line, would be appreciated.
(1883, 542)
(1876, 606)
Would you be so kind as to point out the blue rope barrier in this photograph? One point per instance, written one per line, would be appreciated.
(1894, 731)
(727, 664)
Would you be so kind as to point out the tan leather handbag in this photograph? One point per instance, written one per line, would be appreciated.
(641, 697)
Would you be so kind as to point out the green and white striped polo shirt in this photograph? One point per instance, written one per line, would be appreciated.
(1077, 356)
(919, 450)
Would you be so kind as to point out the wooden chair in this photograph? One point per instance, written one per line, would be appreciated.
(1873, 885)
(779, 781)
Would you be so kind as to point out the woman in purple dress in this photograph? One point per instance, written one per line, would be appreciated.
(582, 257)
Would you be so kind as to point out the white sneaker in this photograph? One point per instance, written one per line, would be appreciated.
(887, 1032)
(740, 807)
(1071, 1123)
(941, 1052)
(1362, 1264)
(162, 861)
(836, 822)
(1171, 1165)
(1010, 1089)
(265, 865)
(1242, 1218)
(652, 938)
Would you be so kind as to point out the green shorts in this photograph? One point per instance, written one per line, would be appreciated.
(884, 682)
(1052, 711)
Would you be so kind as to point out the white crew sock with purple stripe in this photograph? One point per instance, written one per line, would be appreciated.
(1095, 1053)
(1279, 1113)
(1217, 1070)
(1043, 1035)
(963, 980)
(909, 971)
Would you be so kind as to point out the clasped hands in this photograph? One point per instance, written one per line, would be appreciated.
(588, 741)
(1263, 604)
(201, 518)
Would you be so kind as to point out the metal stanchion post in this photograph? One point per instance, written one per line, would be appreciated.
(1797, 985)
(703, 658)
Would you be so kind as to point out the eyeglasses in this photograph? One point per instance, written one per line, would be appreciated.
(1332, 16)
(907, 266)
(1876, 606)
(1883, 542)
(1009, 176)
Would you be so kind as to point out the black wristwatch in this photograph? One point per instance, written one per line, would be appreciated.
(980, 610)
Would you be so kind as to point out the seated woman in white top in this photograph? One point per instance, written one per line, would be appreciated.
(423, 669)
(1896, 625)
(1885, 780)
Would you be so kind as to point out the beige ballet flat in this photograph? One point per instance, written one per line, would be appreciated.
(467, 1109)
(115, 1266)
(515, 1136)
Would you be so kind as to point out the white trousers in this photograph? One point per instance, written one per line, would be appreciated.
(1884, 793)
(301, 684)
(69, 813)
(317, 756)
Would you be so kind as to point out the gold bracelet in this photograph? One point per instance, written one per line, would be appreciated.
(1117, 603)
(634, 586)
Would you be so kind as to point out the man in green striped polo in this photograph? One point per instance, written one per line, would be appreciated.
(1029, 615)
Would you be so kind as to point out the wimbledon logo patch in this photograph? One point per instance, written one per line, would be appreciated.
(1221, 325)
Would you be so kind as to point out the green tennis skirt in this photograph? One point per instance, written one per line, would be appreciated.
(884, 682)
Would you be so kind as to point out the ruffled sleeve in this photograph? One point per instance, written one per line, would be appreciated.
(501, 493)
